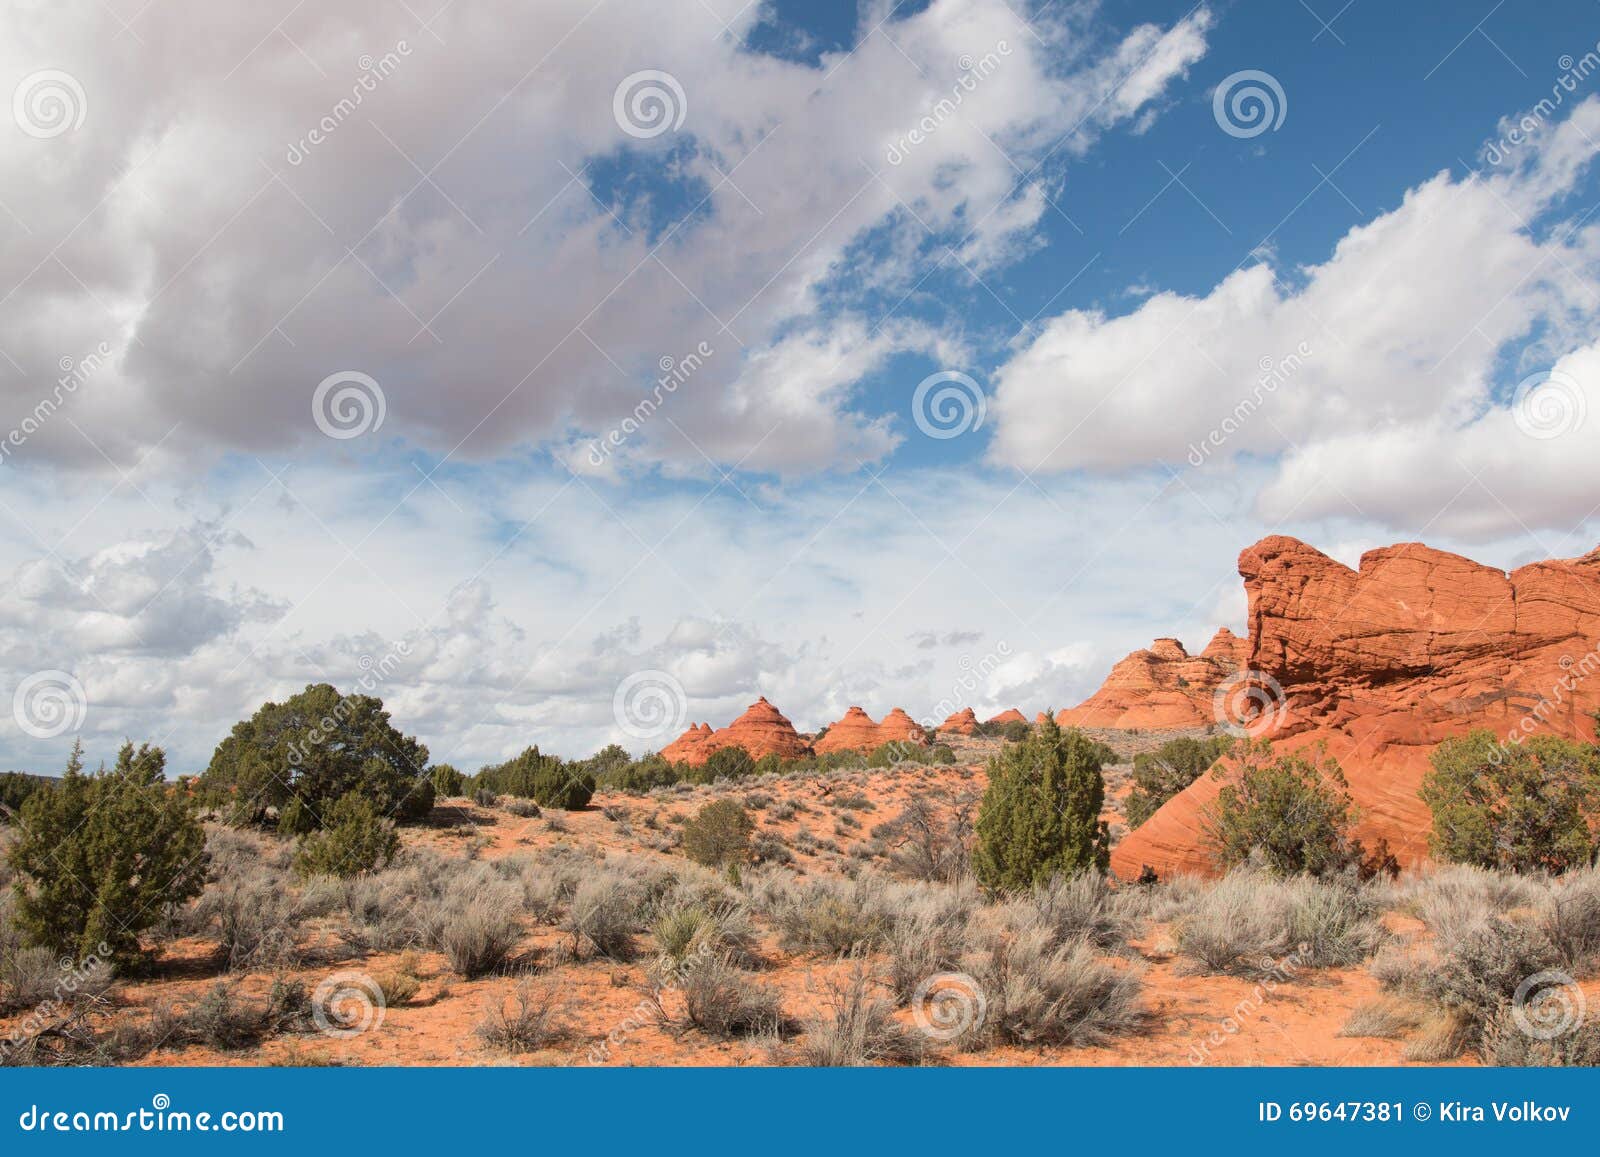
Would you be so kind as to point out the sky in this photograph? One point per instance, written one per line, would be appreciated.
(565, 373)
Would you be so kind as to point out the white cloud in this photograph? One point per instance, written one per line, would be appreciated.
(1376, 377)
(443, 239)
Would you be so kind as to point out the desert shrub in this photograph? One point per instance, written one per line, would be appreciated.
(833, 916)
(255, 919)
(702, 927)
(32, 976)
(718, 834)
(447, 781)
(928, 841)
(1384, 1019)
(1522, 806)
(1070, 908)
(1289, 812)
(604, 914)
(1569, 916)
(1041, 813)
(100, 856)
(638, 778)
(941, 754)
(769, 849)
(1040, 992)
(354, 839)
(1254, 923)
(927, 937)
(533, 1017)
(859, 1028)
(483, 797)
(1505, 1042)
(477, 936)
(524, 809)
(723, 1002)
(1161, 774)
(731, 763)
(222, 1020)
(542, 778)
(319, 746)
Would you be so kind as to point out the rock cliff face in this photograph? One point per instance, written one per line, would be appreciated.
(761, 730)
(1380, 664)
(857, 732)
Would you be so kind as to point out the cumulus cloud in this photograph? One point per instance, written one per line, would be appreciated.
(1376, 379)
(456, 210)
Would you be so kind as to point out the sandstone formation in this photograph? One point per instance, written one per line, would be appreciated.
(1382, 663)
(964, 722)
(857, 732)
(1010, 715)
(761, 730)
(1162, 687)
(681, 748)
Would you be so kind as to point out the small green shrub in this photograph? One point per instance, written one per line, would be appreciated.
(718, 834)
(355, 839)
(1289, 813)
(1161, 774)
(1523, 806)
(447, 781)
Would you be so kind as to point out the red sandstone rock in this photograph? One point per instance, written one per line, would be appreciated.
(1010, 715)
(963, 722)
(1383, 663)
(1162, 687)
(857, 732)
(680, 749)
(761, 730)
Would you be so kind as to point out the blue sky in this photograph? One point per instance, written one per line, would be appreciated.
(242, 252)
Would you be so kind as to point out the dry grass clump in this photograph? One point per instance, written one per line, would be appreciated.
(1505, 1043)
(723, 1002)
(481, 934)
(1079, 907)
(859, 1028)
(928, 936)
(1039, 991)
(532, 1017)
(831, 916)
(1251, 923)
(1385, 1019)
(604, 915)
(697, 926)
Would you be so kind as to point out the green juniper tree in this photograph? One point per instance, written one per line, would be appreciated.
(1040, 816)
(99, 856)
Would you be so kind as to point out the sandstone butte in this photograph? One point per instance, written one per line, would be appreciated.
(857, 732)
(1010, 715)
(960, 723)
(761, 730)
(1163, 686)
(1379, 664)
